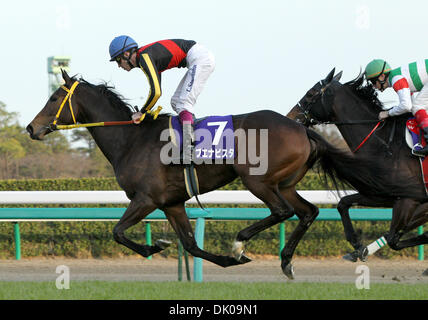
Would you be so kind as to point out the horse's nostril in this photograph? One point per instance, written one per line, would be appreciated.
(30, 129)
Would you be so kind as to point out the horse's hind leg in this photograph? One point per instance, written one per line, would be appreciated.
(134, 214)
(408, 214)
(280, 210)
(307, 212)
(180, 222)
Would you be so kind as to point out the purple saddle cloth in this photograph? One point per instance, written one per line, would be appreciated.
(214, 137)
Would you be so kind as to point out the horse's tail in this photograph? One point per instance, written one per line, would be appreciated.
(365, 174)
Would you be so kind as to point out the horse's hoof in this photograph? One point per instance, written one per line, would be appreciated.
(363, 254)
(163, 244)
(353, 256)
(241, 257)
(289, 271)
(238, 250)
(244, 259)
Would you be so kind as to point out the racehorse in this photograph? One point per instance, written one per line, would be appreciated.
(133, 151)
(354, 108)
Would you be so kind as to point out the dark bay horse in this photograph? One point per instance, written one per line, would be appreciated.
(354, 108)
(134, 152)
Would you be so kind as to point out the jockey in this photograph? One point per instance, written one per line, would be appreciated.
(405, 80)
(156, 57)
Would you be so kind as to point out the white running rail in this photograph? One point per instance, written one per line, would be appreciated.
(119, 197)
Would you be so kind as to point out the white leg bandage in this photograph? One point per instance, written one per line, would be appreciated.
(375, 246)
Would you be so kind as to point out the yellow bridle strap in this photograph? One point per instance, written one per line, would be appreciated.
(153, 113)
(81, 125)
(67, 98)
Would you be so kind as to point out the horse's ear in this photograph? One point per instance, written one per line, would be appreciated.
(338, 76)
(66, 77)
(329, 77)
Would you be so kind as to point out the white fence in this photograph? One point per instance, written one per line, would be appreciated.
(119, 197)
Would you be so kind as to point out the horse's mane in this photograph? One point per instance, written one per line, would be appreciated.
(116, 99)
(366, 92)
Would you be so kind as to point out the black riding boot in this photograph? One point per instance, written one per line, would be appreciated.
(188, 143)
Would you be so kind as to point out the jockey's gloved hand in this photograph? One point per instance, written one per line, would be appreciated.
(136, 116)
(383, 115)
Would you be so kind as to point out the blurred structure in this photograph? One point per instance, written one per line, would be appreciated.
(55, 64)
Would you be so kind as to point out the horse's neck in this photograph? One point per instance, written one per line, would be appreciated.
(354, 134)
(112, 140)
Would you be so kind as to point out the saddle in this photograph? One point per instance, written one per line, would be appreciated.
(416, 141)
(214, 137)
(213, 141)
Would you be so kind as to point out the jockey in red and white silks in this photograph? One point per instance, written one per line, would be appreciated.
(405, 80)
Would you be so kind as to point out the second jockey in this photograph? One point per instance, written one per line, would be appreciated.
(405, 80)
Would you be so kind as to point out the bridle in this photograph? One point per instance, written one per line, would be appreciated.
(306, 110)
(54, 126)
(309, 119)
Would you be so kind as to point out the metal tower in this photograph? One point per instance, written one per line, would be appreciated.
(55, 64)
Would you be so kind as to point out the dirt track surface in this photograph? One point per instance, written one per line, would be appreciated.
(260, 270)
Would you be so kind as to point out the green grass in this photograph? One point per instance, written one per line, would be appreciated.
(103, 290)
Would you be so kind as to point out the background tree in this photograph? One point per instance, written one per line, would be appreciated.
(54, 157)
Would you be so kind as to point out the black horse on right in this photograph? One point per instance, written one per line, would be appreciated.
(354, 107)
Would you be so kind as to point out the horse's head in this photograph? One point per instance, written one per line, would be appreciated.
(53, 112)
(313, 107)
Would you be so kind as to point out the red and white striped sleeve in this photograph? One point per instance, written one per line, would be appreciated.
(401, 86)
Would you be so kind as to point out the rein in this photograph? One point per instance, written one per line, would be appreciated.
(313, 121)
(70, 93)
(368, 136)
(358, 122)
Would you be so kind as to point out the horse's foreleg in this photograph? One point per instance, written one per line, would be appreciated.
(351, 236)
(134, 214)
(180, 222)
(343, 207)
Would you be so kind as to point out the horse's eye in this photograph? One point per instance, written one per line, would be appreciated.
(53, 99)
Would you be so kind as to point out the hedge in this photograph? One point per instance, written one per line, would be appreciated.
(94, 239)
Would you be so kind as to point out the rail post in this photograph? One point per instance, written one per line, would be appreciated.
(17, 241)
(421, 255)
(186, 263)
(180, 261)
(281, 238)
(199, 237)
(148, 237)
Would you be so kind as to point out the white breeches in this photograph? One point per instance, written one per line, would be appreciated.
(420, 101)
(200, 64)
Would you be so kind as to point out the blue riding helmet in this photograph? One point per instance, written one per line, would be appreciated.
(121, 44)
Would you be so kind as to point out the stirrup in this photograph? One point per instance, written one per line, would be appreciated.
(417, 152)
